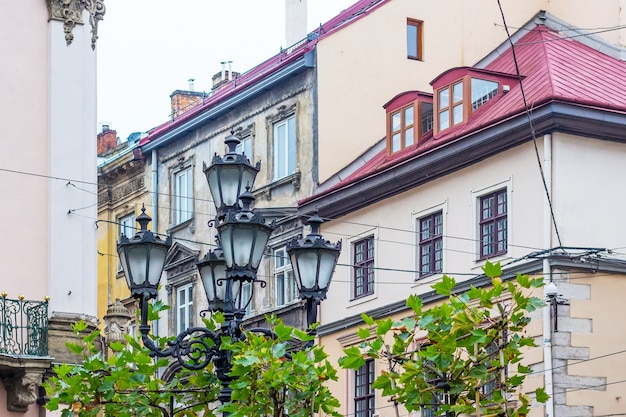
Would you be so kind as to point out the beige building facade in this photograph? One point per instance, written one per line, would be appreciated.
(472, 186)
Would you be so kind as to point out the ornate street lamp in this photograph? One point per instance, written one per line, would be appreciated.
(243, 236)
(313, 259)
(142, 258)
(229, 176)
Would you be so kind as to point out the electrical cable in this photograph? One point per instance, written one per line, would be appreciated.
(530, 124)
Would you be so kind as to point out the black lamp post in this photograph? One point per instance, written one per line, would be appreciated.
(243, 236)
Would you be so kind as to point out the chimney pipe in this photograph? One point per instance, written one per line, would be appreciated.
(191, 80)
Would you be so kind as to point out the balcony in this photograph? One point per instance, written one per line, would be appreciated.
(23, 327)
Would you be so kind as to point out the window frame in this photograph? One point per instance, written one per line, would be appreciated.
(493, 220)
(363, 379)
(122, 227)
(180, 198)
(283, 272)
(430, 242)
(245, 147)
(368, 264)
(466, 103)
(284, 162)
(185, 307)
(419, 33)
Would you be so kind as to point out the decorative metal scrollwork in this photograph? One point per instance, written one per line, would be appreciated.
(70, 12)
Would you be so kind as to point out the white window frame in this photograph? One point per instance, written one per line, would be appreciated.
(415, 218)
(475, 196)
(285, 289)
(126, 227)
(285, 146)
(245, 147)
(246, 289)
(184, 307)
(182, 195)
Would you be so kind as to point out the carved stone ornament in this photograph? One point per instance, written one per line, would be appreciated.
(70, 12)
(22, 390)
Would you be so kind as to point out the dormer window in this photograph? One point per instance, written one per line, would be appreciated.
(409, 118)
(451, 105)
(459, 92)
(482, 92)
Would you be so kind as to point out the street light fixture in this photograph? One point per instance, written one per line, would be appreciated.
(243, 236)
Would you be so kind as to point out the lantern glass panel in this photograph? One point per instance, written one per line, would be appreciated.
(242, 241)
(328, 260)
(137, 263)
(230, 177)
(262, 236)
(212, 178)
(226, 239)
(122, 255)
(307, 266)
(157, 260)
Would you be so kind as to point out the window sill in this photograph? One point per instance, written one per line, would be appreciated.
(180, 226)
(480, 262)
(364, 299)
(266, 190)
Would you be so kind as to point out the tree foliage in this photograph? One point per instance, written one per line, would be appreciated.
(267, 379)
(462, 356)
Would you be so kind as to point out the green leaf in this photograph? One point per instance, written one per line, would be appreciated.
(367, 319)
(445, 286)
(541, 395)
(492, 270)
(384, 326)
(74, 348)
(363, 333)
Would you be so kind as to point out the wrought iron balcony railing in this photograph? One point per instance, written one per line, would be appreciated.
(23, 327)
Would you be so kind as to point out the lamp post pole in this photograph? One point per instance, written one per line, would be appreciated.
(242, 239)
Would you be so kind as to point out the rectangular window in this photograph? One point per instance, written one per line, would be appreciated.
(285, 148)
(363, 391)
(286, 290)
(493, 224)
(482, 91)
(430, 244)
(363, 267)
(246, 289)
(184, 308)
(493, 376)
(430, 408)
(183, 196)
(245, 147)
(127, 225)
(414, 39)
(402, 128)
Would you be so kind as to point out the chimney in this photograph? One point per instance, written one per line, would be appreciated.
(225, 76)
(295, 21)
(107, 140)
(183, 100)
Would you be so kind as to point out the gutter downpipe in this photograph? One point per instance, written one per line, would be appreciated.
(155, 194)
(547, 273)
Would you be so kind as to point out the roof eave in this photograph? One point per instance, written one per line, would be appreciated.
(305, 62)
(463, 152)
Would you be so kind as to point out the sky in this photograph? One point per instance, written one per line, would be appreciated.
(147, 49)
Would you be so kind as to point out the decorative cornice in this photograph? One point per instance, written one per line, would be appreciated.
(70, 12)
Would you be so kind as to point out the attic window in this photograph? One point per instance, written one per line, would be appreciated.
(455, 102)
(482, 92)
(407, 124)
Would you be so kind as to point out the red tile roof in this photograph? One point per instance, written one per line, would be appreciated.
(285, 57)
(553, 68)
